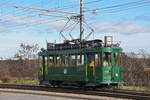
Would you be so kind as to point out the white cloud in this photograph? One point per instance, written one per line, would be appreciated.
(143, 18)
(11, 22)
(123, 27)
(9, 43)
(132, 36)
(133, 42)
(3, 30)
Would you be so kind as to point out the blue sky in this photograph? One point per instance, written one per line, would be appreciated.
(129, 24)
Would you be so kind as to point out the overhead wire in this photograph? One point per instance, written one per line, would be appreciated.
(86, 3)
(120, 6)
(109, 9)
(129, 8)
(27, 25)
(20, 24)
(30, 22)
(46, 10)
(76, 5)
(9, 18)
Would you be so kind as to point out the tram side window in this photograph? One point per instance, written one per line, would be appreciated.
(61, 60)
(40, 62)
(107, 59)
(66, 60)
(80, 60)
(51, 61)
(57, 60)
(45, 61)
(69, 60)
(116, 59)
(97, 59)
(73, 60)
(91, 60)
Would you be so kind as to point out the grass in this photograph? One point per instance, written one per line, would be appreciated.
(1, 81)
(33, 82)
(136, 88)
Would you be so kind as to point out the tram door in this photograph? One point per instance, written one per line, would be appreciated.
(90, 67)
(116, 67)
(42, 68)
(107, 67)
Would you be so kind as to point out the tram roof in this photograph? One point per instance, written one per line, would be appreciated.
(77, 51)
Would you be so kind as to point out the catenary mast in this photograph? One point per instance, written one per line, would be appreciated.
(80, 16)
(81, 19)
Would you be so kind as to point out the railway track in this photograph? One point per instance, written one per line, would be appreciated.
(104, 92)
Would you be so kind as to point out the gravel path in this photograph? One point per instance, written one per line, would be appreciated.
(14, 94)
(20, 96)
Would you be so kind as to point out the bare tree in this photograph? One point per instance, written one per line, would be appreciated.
(134, 74)
(27, 51)
(27, 60)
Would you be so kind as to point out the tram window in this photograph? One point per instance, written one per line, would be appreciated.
(66, 60)
(69, 60)
(40, 61)
(51, 61)
(62, 60)
(91, 60)
(46, 61)
(73, 60)
(97, 59)
(107, 59)
(57, 61)
(116, 59)
(80, 60)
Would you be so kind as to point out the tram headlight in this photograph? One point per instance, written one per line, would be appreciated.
(116, 74)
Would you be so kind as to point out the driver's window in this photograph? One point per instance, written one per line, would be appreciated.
(40, 63)
(107, 59)
(91, 60)
(116, 59)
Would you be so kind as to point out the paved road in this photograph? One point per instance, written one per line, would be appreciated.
(14, 94)
(20, 96)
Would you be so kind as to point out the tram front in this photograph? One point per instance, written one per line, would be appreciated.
(111, 63)
(111, 66)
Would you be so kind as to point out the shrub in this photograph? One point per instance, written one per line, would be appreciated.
(5, 79)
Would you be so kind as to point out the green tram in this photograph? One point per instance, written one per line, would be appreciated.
(98, 65)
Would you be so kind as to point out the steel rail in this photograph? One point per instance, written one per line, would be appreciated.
(101, 92)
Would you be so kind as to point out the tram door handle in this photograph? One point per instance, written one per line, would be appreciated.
(110, 71)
